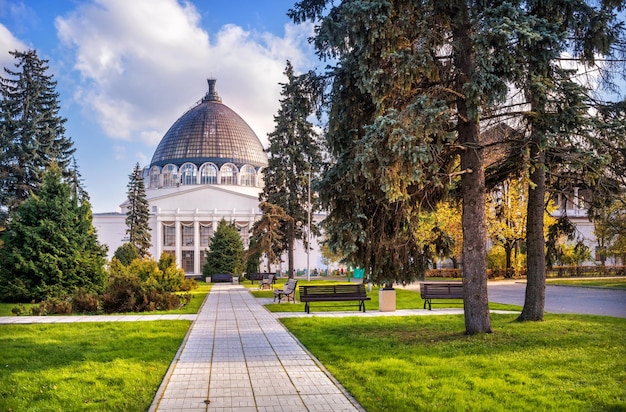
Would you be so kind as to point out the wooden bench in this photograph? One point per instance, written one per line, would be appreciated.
(221, 277)
(288, 291)
(440, 290)
(333, 293)
(268, 282)
(256, 277)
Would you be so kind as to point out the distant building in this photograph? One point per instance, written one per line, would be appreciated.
(574, 204)
(208, 167)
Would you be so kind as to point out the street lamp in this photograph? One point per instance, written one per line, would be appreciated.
(308, 232)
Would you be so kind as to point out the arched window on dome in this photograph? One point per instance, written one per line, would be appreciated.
(188, 173)
(155, 173)
(170, 175)
(228, 174)
(247, 176)
(208, 174)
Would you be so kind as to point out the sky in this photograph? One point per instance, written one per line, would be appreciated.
(127, 70)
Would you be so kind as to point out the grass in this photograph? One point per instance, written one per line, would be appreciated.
(197, 297)
(405, 299)
(608, 283)
(566, 363)
(87, 366)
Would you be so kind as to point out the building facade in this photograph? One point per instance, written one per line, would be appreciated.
(208, 167)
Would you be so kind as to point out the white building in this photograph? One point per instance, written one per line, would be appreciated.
(208, 167)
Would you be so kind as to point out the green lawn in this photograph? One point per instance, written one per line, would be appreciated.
(88, 366)
(566, 363)
(609, 283)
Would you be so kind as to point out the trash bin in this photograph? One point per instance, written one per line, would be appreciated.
(358, 273)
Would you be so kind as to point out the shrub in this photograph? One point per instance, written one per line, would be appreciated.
(52, 306)
(128, 293)
(85, 302)
(19, 310)
(444, 273)
(122, 294)
(146, 269)
(170, 277)
(189, 284)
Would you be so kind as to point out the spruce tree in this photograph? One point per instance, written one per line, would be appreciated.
(550, 44)
(226, 254)
(138, 214)
(51, 247)
(294, 158)
(32, 133)
(406, 100)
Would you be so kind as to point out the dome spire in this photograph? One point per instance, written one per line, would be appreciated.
(212, 93)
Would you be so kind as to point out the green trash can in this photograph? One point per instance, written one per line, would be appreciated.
(358, 273)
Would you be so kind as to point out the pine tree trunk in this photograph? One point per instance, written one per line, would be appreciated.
(534, 301)
(476, 304)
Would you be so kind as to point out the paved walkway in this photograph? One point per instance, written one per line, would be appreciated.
(237, 356)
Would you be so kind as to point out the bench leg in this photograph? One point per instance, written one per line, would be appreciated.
(306, 307)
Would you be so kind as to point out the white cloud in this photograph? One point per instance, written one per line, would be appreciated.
(9, 43)
(143, 63)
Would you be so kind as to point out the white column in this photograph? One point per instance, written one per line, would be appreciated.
(159, 238)
(179, 242)
(197, 270)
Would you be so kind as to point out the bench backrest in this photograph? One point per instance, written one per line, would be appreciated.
(221, 277)
(356, 289)
(260, 275)
(444, 289)
(290, 286)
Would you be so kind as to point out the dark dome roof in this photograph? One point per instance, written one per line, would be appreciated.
(210, 132)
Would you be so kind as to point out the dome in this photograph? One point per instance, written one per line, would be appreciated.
(210, 132)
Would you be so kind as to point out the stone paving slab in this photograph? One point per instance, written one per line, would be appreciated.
(237, 356)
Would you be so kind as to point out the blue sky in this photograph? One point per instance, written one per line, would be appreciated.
(126, 70)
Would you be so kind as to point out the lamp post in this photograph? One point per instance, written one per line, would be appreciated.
(308, 231)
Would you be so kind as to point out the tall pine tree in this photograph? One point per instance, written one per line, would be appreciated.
(51, 247)
(32, 133)
(294, 158)
(138, 214)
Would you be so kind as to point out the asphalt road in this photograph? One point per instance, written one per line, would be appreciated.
(565, 299)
